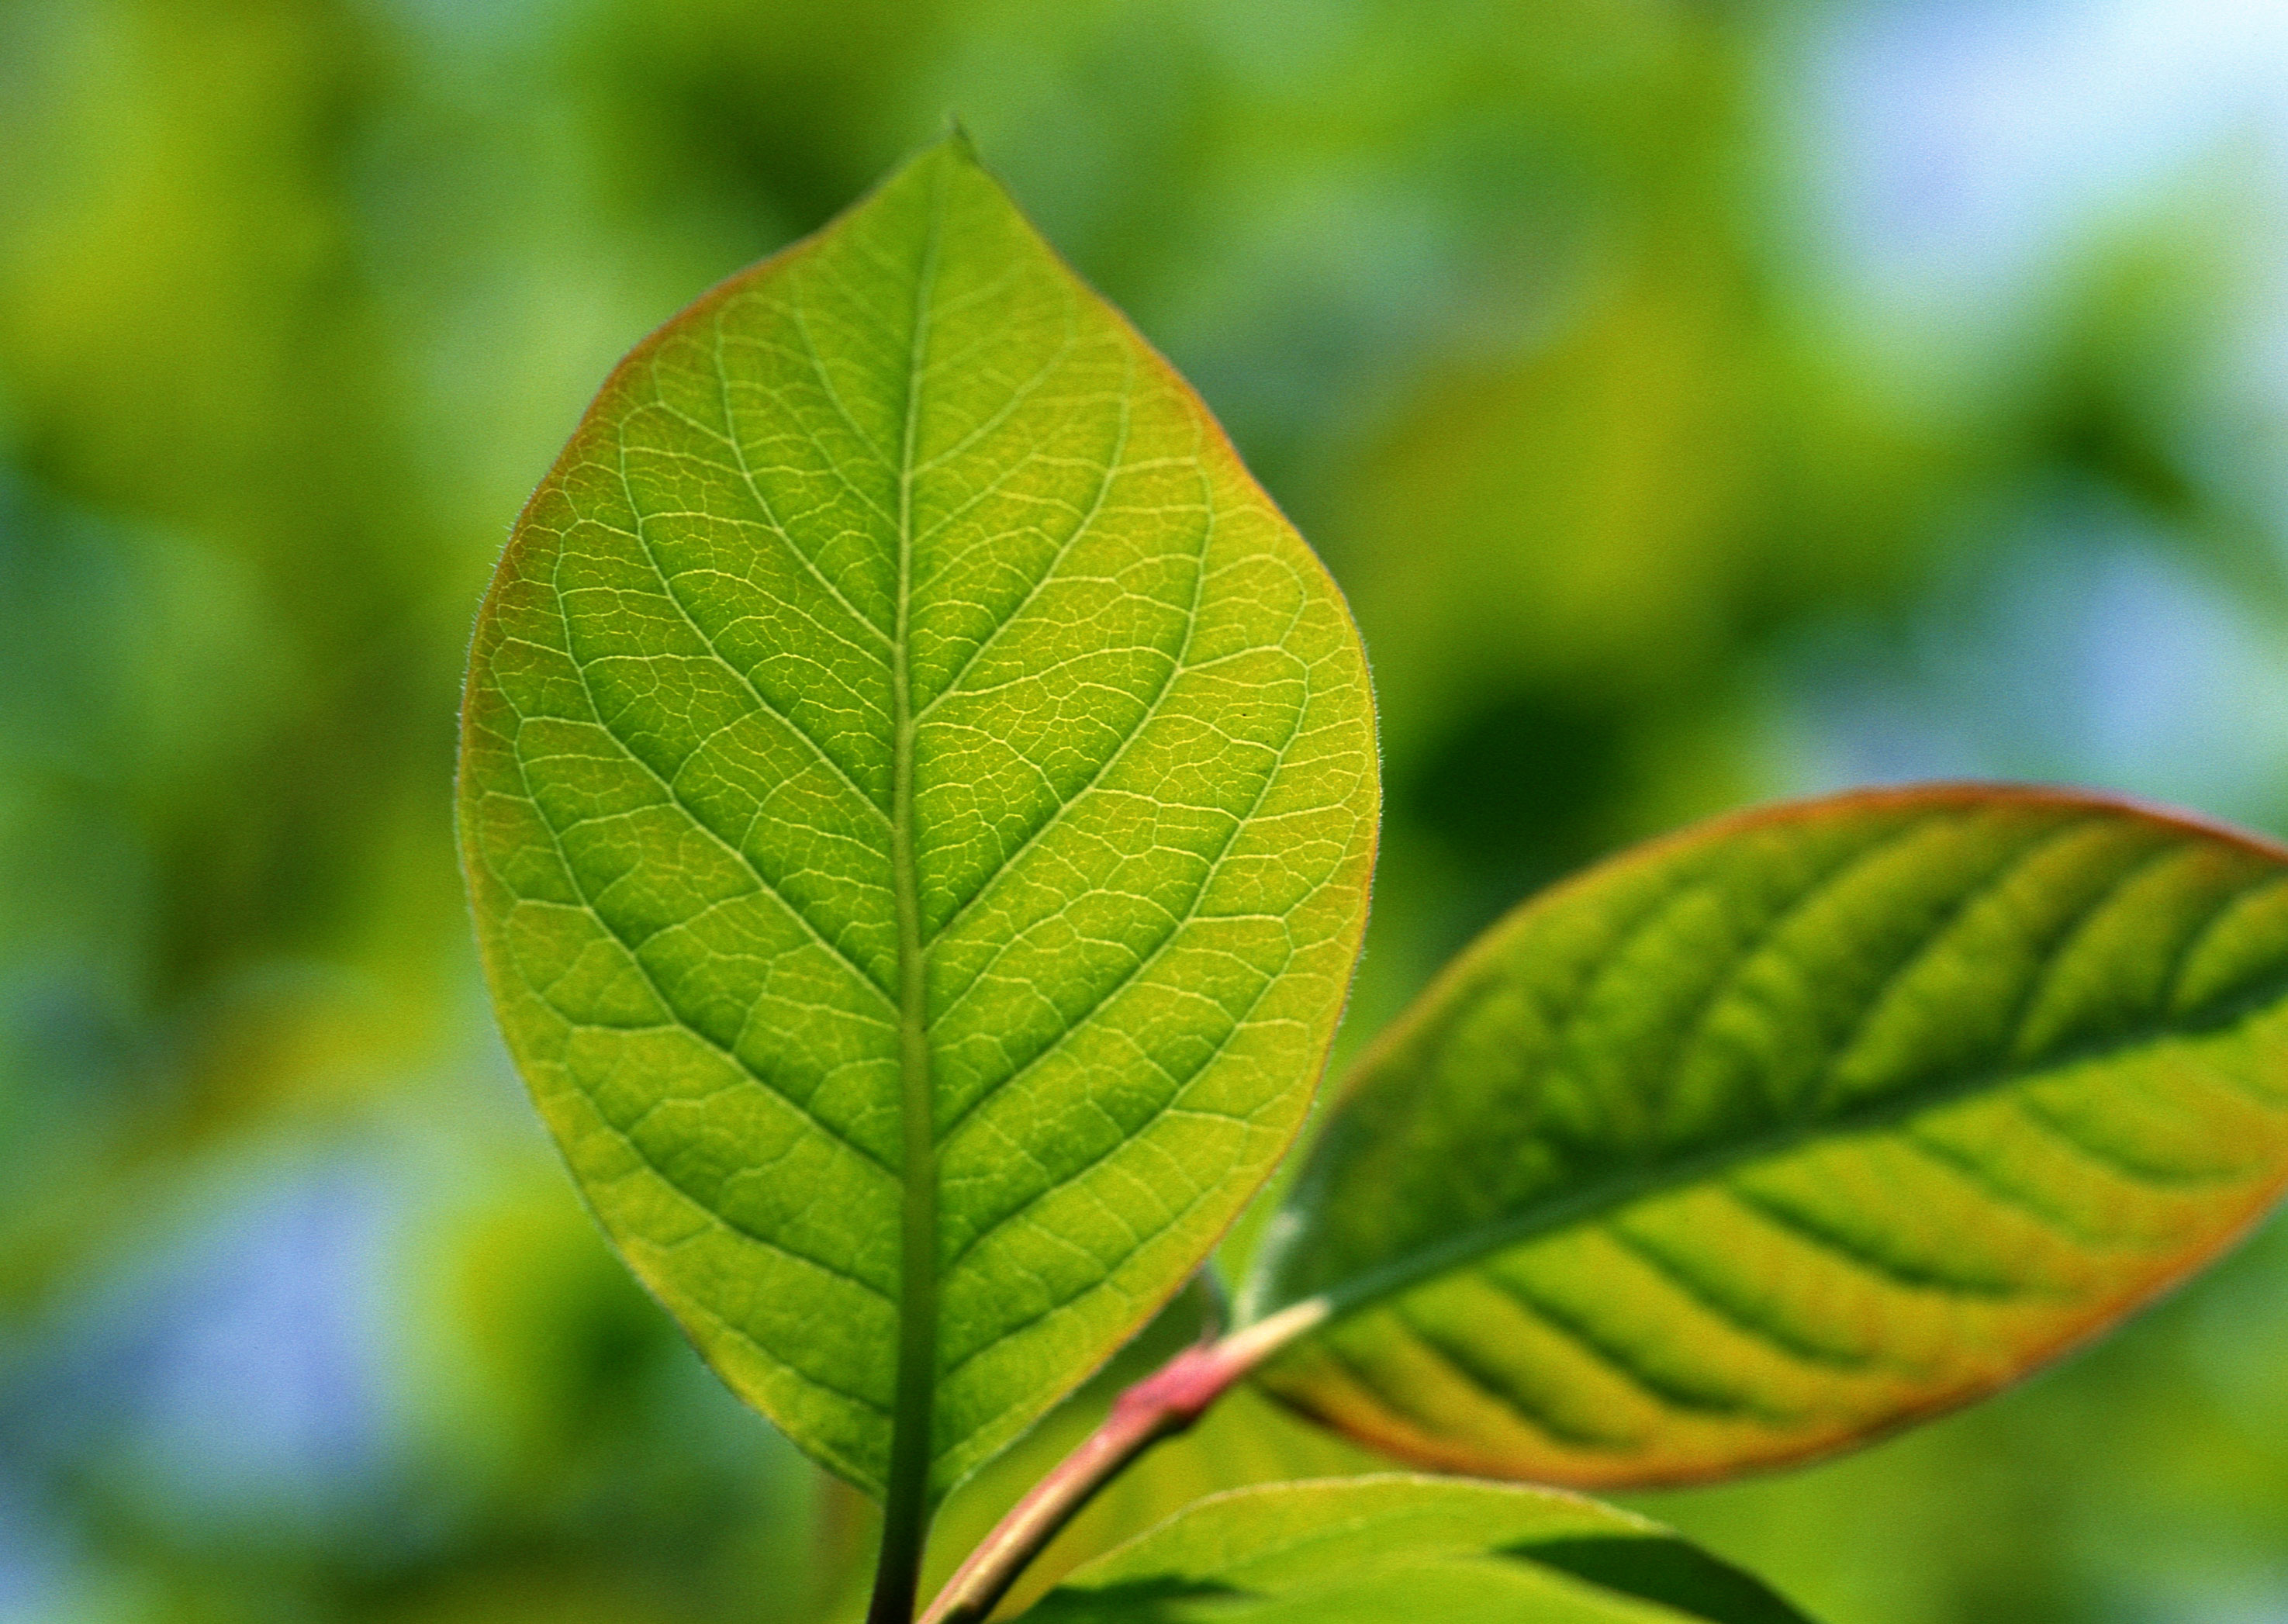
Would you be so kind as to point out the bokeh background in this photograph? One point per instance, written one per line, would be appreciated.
(1701, 400)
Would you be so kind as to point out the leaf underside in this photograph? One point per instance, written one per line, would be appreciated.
(1372, 1549)
(1784, 1132)
(898, 705)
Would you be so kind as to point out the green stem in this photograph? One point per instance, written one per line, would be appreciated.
(906, 1501)
(1162, 1404)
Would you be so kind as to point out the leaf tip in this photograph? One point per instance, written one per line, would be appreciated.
(957, 143)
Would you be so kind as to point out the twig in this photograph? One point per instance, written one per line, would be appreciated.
(1162, 1404)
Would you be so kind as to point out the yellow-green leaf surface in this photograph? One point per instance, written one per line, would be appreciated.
(1372, 1549)
(1765, 1138)
(918, 796)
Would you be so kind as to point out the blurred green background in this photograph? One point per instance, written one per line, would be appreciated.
(1701, 400)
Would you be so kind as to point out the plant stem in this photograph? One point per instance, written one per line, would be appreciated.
(1162, 1404)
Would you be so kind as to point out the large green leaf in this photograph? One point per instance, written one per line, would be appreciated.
(1762, 1139)
(918, 796)
(1370, 1550)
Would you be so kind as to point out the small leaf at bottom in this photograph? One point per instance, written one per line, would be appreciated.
(1362, 1550)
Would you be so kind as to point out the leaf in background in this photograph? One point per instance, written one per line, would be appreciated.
(1792, 1128)
(1376, 1549)
(908, 762)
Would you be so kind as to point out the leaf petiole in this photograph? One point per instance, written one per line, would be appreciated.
(1162, 1404)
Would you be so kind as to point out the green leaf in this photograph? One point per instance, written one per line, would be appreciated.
(1763, 1139)
(1382, 1548)
(918, 796)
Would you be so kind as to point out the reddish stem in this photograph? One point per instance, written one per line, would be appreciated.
(1162, 1404)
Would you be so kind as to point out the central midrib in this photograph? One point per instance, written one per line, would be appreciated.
(906, 1499)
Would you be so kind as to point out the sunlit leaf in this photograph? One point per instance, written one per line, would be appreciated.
(1770, 1137)
(907, 761)
(1377, 1549)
